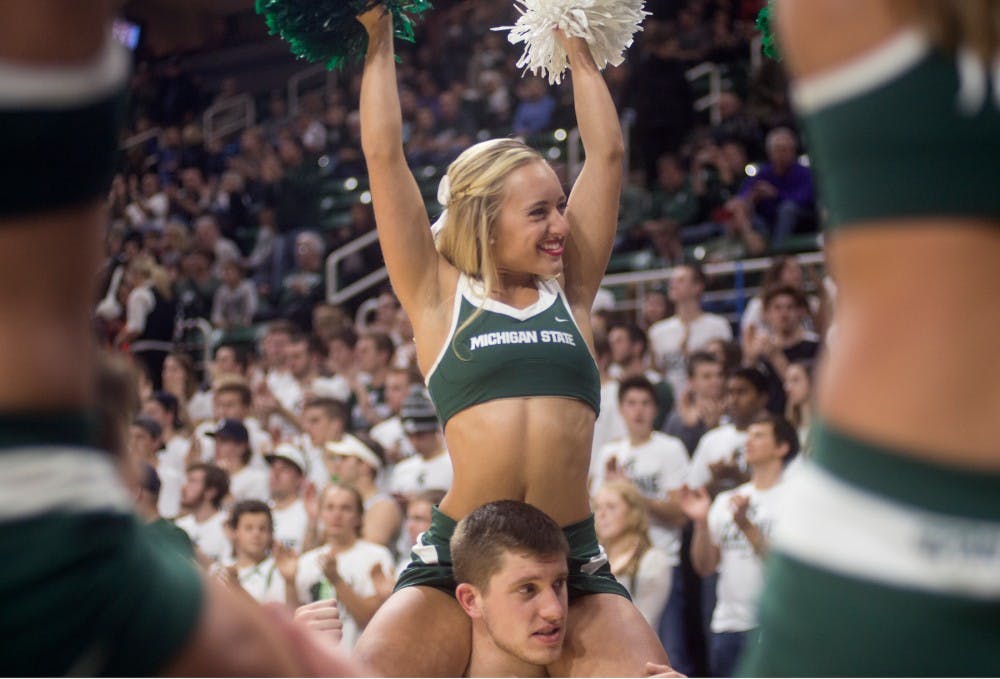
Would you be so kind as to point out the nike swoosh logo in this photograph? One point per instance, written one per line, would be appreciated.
(561, 320)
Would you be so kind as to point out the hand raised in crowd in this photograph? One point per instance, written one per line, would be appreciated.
(740, 504)
(695, 502)
(286, 560)
(310, 498)
(687, 407)
(612, 472)
(328, 564)
(726, 474)
(710, 411)
(383, 582)
(323, 617)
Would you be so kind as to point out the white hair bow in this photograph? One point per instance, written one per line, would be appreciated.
(444, 197)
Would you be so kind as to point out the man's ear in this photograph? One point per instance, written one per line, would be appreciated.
(469, 599)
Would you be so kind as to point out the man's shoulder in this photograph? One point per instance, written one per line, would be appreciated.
(363, 549)
(668, 443)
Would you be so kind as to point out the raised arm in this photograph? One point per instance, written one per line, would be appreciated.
(593, 202)
(400, 217)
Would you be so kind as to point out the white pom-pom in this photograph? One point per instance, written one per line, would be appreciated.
(607, 25)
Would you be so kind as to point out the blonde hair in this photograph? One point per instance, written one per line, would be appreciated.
(637, 522)
(147, 269)
(478, 183)
(955, 23)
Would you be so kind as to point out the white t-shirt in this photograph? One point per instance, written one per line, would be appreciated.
(174, 453)
(169, 503)
(665, 343)
(263, 581)
(650, 588)
(656, 467)
(208, 536)
(415, 474)
(354, 567)
(336, 387)
(719, 444)
(389, 433)
(609, 425)
(250, 484)
(290, 524)
(741, 571)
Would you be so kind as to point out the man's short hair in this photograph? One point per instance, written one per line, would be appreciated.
(483, 537)
(215, 479)
(696, 272)
(345, 335)
(333, 408)
(635, 333)
(239, 355)
(234, 384)
(784, 433)
(755, 377)
(699, 358)
(382, 341)
(249, 507)
(637, 383)
(776, 291)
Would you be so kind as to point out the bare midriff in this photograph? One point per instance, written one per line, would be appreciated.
(535, 449)
(912, 364)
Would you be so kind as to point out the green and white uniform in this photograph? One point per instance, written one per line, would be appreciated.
(430, 560)
(85, 589)
(506, 352)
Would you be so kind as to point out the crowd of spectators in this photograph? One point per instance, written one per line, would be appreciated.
(302, 459)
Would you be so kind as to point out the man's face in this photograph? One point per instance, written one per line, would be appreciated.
(683, 286)
(367, 356)
(418, 518)
(783, 314)
(638, 410)
(707, 380)
(340, 356)
(252, 536)
(524, 607)
(229, 452)
(424, 442)
(781, 152)
(285, 479)
(338, 514)
(274, 346)
(141, 444)
(621, 345)
(397, 385)
(225, 362)
(229, 406)
(297, 359)
(742, 400)
(319, 427)
(193, 490)
(152, 408)
(348, 468)
(760, 445)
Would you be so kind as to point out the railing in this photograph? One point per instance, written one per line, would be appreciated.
(297, 85)
(739, 293)
(228, 116)
(335, 295)
(709, 101)
(141, 138)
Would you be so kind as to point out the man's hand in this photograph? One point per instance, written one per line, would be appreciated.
(695, 502)
(740, 504)
(383, 582)
(654, 670)
(286, 560)
(328, 563)
(323, 617)
(726, 474)
(612, 472)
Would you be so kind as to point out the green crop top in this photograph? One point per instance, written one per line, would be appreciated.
(508, 353)
(904, 131)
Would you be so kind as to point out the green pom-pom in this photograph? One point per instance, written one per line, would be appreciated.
(327, 31)
(765, 24)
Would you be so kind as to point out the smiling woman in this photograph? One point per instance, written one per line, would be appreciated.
(499, 293)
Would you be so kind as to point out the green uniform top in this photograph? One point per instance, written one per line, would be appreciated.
(505, 352)
(904, 131)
